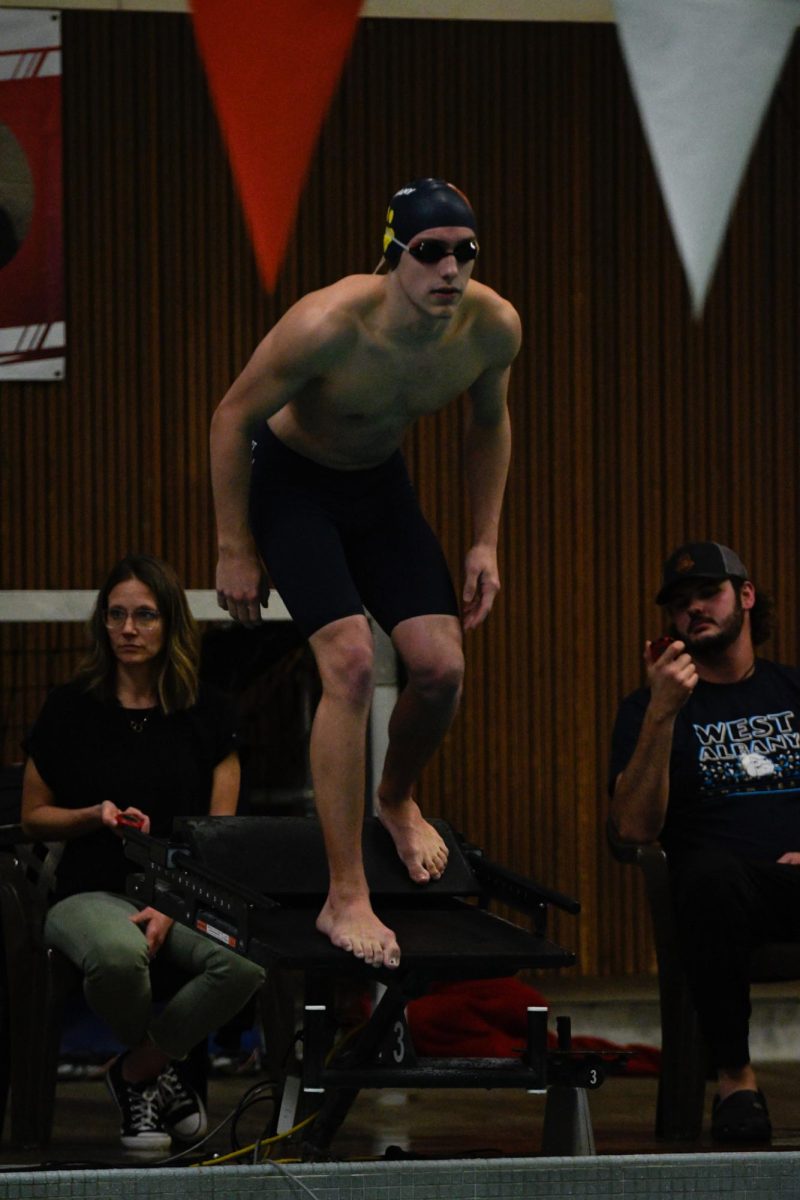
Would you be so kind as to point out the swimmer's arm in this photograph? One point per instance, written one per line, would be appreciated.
(302, 346)
(487, 456)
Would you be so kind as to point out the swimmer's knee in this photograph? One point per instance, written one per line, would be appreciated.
(439, 676)
(345, 657)
(432, 652)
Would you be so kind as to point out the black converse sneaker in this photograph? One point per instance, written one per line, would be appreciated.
(142, 1126)
(182, 1109)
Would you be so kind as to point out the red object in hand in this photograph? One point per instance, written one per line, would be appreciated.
(129, 819)
(658, 647)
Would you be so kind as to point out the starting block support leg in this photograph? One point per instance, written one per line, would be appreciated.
(567, 1122)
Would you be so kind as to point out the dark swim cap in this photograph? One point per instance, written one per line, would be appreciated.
(423, 204)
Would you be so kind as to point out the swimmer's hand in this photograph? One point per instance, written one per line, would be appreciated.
(242, 587)
(481, 585)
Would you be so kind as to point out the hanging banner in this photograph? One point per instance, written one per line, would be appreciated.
(32, 326)
(703, 73)
(272, 68)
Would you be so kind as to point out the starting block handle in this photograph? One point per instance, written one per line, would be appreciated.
(536, 1054)
(315, 1018)
(524, 893)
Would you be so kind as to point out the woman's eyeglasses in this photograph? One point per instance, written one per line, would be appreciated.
(432, 250)
(142, 618)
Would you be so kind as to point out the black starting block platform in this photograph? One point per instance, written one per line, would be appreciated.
(256, 884)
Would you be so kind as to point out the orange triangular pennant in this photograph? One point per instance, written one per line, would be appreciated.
(272, 67)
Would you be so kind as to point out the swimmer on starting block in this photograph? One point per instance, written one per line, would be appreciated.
(320, 412)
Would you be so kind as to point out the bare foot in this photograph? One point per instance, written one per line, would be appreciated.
(353, 926)
(419, 845)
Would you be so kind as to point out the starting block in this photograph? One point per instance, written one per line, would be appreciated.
(256, 885)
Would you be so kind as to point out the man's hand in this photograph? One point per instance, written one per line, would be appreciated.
(792, 857)
(672, 678)
(155, 927)
(242, 587)
(481, 585)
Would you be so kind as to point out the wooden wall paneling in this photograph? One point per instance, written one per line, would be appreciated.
(518, 263)
(85, 258)
(783, 573)
(10, 491)
(13, 546)
(193, 321)
(583, 469)
(557, 469)
(179, 212)
(770, 518)
(613, 513)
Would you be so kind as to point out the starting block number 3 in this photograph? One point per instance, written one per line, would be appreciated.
(399, 1052)
(398, 1047)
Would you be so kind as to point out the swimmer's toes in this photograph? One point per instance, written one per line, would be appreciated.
(419, 873)
(391, 958)
(437, 860)
(373, 955)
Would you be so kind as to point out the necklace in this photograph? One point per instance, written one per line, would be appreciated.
(750, 671)
(138, 718)
(138, 715)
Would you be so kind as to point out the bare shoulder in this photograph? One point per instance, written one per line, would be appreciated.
(317, 332)
(327, 320)
(496, 323)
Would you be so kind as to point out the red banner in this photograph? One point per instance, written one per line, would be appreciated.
(272, 68)
(32, 326)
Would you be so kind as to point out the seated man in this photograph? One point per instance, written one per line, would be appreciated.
(707, 759)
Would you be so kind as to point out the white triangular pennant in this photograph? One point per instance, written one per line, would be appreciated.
(703, 72)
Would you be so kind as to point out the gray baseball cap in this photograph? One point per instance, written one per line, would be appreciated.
(700, 560)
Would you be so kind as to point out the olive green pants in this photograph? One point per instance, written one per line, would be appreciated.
(95, 932)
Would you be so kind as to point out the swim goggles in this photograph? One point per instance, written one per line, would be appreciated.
(433, 250)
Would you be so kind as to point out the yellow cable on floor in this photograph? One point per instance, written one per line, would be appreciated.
(278, 1137)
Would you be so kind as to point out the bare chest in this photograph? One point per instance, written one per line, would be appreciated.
(375, 384)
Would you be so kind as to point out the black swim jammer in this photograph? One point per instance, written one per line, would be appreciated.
(337, 542)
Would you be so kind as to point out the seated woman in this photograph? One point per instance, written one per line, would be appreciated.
(136, 736)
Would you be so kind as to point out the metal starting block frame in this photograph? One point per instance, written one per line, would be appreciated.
(256, 884)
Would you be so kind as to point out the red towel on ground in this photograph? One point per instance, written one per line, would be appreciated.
(486, 1018)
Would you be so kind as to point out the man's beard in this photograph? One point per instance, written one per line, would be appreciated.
(707, 649)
